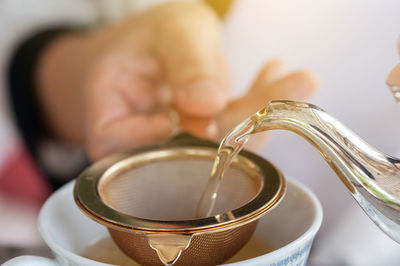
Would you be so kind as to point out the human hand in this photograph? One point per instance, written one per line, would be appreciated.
(127, 76)
(170, 55)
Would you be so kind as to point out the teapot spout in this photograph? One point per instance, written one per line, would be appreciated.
(372, 177)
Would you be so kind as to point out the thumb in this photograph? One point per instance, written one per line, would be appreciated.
(189, 47)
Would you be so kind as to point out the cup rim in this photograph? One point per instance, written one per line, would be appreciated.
(50, 242)
(306, 236)
(88, 199)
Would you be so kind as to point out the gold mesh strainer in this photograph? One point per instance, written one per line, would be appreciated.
(147, 198)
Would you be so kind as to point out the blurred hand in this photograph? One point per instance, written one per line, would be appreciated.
(126, 77)
(111, 89)
(170, 55)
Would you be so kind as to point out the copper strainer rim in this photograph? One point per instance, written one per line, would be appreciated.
(89, 201)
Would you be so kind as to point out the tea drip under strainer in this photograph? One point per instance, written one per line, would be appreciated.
(147, 199)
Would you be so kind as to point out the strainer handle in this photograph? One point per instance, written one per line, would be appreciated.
(30, 261)
(186, 139)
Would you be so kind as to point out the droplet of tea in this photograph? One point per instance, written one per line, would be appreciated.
(169, 246)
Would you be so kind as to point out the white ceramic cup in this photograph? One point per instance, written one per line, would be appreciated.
(289, 228)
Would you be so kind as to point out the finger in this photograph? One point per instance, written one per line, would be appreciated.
(394, 77)
(119, 101)
(189, 47)
(393, 81)
(271, 72)
(296, 86)
(201, 127)
(128, 132)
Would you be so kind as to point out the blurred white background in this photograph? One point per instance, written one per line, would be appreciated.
(351, 46)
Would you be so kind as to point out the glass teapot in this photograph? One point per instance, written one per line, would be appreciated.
(372, 177)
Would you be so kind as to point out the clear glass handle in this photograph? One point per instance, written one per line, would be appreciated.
(371, 176)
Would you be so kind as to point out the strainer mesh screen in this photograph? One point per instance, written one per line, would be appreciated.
(170, 189)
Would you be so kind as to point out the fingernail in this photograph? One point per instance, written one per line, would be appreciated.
(202, 98)
(396, 92)
(212, 129)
